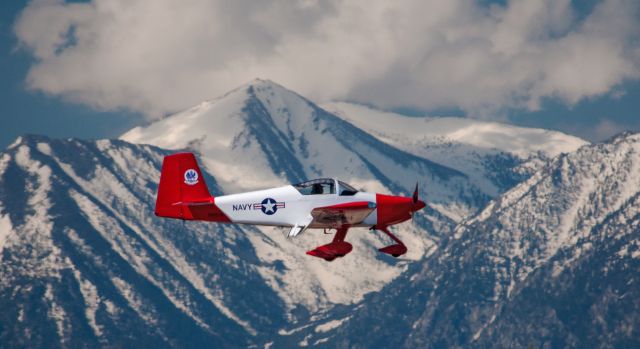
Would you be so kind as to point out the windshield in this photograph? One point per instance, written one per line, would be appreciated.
(316, 187)
(346, 189)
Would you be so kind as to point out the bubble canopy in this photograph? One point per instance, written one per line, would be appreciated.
(325, 186)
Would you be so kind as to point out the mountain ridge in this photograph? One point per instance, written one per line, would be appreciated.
(75, 231)
(478, 290)
(85, 262)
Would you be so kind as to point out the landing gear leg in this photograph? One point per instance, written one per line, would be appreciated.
(396, 250)
(337, 248)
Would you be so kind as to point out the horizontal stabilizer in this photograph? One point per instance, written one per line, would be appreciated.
(202, 202)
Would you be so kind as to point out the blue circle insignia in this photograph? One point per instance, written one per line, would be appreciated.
(191, 177)
(269, 206)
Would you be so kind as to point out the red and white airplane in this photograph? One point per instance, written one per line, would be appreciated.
(322, 203)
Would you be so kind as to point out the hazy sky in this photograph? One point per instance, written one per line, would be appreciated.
(96, 68)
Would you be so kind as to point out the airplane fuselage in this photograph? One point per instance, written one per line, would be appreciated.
(286, 206)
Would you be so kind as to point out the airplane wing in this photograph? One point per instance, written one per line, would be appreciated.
(343, 214)
(350, 213)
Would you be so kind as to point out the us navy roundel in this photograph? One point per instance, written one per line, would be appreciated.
(190, 176)
(269, 206)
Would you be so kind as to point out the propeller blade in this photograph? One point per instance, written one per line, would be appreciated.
(415, 194)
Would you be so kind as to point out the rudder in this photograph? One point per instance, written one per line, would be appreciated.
(181, 182)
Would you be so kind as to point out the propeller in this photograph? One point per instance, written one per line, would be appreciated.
(414, 201)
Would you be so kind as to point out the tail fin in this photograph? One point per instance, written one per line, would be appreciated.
(181, 185)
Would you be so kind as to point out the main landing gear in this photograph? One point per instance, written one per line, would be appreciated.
(397, 249)
(339, 248)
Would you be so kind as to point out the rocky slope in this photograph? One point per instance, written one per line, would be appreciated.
(85, 262)
(494, 156)
(551, 263)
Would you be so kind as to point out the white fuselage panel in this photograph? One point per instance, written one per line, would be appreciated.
(284, 206)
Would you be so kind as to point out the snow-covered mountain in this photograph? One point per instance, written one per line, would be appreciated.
(262, 135)
(493, 155)
(84, 262)
(554, 262)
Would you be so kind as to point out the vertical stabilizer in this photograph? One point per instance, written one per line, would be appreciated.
(181, 184)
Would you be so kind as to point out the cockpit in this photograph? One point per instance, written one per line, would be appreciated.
(324, 186)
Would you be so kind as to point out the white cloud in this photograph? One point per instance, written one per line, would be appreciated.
(159, 56)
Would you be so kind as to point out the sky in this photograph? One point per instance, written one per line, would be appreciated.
(94, 69)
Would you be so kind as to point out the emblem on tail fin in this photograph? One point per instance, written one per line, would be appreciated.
(191, 177)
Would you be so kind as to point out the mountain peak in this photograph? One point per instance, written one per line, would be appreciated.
(27, 139)
(259, 82)
(625, 136)
(264, 135)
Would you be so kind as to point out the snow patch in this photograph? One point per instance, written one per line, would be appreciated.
(624, 251)
(284, 332)
(305, 342)
(111, 308)
(91, 300)
(634, 245)
(320, 341)
(103, 144)
(35, 240)
(483, 327)
(15, 143)
(44, 148)
(328, 326)
(6, 229)
(145, 311)
(4, 161)
(568, 220)
(57, 313)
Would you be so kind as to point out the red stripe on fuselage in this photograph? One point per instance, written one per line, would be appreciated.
(209, 212)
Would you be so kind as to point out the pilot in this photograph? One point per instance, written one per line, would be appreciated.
(316, 189)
